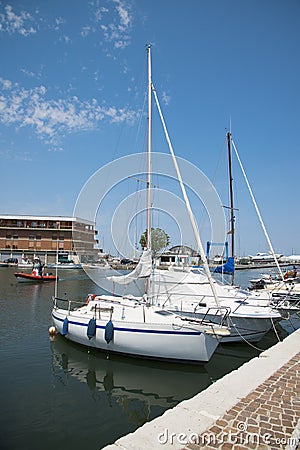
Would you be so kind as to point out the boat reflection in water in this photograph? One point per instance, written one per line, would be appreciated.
(139, 388)
(136, 385)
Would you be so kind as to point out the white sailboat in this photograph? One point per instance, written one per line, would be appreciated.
(187, 292)
(134, 325)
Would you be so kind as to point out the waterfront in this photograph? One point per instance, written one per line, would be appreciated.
(57, 393)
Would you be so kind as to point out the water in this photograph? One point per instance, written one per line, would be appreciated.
(55, 393)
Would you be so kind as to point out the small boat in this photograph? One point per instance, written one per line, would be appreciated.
(34, 276)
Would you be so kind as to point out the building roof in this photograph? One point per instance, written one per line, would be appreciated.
(181, 250)
(52, 218)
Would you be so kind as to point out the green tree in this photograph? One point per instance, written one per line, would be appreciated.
(159, 240)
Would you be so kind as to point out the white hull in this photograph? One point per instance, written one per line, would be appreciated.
(158, 337)
(242, 329)
(249, 317)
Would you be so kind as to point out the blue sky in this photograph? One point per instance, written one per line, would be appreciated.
(72, 86)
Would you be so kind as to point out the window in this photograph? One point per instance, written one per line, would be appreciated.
(31, 237)
(8, 236)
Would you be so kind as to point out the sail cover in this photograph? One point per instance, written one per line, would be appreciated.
(228, 267)
(142, 270)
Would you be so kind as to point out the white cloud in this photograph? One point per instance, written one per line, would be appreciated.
(65, 39)
(85, 31)
(166, 98)
(58, 22)
(12, 154)
(124, 15)
(12, 22)
(116, 28)
(99, 13)
(52, 119)
(31, 74)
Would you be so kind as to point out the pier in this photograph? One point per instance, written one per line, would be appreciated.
(256, 406)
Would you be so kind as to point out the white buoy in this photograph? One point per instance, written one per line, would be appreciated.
(52, 331)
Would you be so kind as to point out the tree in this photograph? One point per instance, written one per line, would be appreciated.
(159, 239)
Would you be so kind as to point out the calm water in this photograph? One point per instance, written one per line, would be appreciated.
(55, 393)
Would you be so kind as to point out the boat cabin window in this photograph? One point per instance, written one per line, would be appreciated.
(196, 271)
(164, 313)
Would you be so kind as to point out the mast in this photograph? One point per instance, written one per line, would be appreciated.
(257, 211)
(149, 143)
(231, 202)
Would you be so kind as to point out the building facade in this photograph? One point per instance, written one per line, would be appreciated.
(180, 255)
(47, 237)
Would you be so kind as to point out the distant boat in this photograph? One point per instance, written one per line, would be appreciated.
(25, 263)
(264, 257)
(64, 265)
(37, 274)
(34, 277)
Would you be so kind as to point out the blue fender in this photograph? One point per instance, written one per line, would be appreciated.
(109, 332)
(65, 328)
(91, 329)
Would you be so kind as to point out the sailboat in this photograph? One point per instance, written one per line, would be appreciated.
(188, 292)
(137, 326)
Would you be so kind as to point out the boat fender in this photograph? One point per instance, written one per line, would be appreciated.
(109, 332)
(52, 331)
(65, 327)
(91, 329)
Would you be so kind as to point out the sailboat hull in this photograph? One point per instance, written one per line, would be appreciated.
(146, 340)
(248, 317)
(242, 329)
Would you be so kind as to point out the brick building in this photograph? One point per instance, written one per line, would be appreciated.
(47, 236)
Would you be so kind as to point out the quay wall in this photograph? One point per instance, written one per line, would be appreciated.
(200, 413)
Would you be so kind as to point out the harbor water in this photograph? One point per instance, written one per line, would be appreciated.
(58, 394)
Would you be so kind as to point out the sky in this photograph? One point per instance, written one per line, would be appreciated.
(73, 81)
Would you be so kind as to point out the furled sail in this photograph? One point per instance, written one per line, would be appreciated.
(142, 270)
(228, 267)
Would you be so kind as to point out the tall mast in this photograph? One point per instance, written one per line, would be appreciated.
(231, 203)
(148, 205)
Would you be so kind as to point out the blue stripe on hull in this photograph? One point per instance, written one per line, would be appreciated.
(133, 330)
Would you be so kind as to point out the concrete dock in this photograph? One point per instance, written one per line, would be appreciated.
(256, 406)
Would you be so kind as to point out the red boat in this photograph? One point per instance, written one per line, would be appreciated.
(34, 277)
